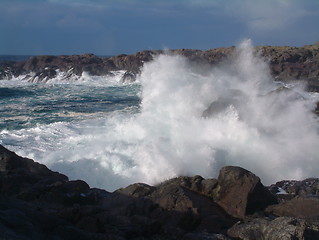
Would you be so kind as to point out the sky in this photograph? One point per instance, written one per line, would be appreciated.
(111, 27)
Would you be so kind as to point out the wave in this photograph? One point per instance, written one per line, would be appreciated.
(191, 121)
(113, 78)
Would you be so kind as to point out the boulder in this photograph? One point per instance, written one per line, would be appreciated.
(136, 190)
(240, 192)
(186, 206)
(299, 207)
(284, 228)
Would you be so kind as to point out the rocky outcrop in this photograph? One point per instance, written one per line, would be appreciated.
(286, 63)
(285, 228)
(37, 203)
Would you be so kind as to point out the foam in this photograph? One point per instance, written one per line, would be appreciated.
(266, 127)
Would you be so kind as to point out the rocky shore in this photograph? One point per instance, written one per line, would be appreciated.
(37, 203)
(286, 63)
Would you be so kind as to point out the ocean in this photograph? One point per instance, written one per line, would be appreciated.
(178, 118)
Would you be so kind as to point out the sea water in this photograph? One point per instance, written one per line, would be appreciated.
(178, 118)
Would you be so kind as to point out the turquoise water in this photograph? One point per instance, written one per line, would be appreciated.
(26, 106)
(112, 134)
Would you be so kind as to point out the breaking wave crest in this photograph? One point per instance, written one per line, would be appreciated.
(191, 121)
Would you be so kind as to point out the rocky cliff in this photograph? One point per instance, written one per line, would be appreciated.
(36, 203)
(286, 63)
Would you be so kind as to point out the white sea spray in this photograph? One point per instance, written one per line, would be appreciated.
(190, 122)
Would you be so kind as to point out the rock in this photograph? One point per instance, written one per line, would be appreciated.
(129, 77)
(286, 63)
(36, 203)
(284, 228)
(309, 186)
(205, 236)
(240, 192)
(136, 190)
(187, 207)
(300, 207)
(18, 175)
(233, 98)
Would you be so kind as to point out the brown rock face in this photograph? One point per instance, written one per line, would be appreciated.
(286, 63)
(299, 207)
(240, 192)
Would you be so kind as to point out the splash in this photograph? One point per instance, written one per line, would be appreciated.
(192, 122)
(233, 115)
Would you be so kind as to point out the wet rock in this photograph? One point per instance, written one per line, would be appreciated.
(240, 192)
(129, 77)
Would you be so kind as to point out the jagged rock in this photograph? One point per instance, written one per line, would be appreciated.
(286, 63)
(19, 175)
(284, 228)
(305, 187)
(36, 203)
(240, 192)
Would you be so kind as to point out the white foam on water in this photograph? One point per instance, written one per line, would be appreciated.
(252, 123)
(113, 78)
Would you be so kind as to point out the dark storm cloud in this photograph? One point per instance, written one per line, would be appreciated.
(127, 26)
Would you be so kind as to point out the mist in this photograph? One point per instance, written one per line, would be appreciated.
(191, 121)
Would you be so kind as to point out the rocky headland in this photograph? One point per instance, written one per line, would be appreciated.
(37, 203)
(286, 63)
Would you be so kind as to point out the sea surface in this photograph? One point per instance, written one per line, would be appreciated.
(176, 119)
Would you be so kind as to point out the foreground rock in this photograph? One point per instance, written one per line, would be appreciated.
(284, 228)
(36, 203)
(240, 192)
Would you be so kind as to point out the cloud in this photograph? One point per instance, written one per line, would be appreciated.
(269, 15)
(261, 15)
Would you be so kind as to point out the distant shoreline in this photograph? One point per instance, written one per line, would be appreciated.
(17, 58)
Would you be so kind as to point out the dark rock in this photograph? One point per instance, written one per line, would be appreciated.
(205, 236)
(240, 192)
(286, 63)
(309, 186)
(136, 190)
(36, 203)
(188, 208)
(300, 207)
(19, 175)
(129, 77)
(284, 228)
